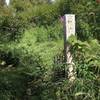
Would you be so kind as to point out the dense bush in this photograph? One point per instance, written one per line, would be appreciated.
(11, 28)
(33, 67)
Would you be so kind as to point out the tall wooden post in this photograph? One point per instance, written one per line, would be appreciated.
(69, 29)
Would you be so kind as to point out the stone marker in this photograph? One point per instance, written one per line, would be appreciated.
(69, 29)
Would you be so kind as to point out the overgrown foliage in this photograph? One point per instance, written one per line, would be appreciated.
(32, 66)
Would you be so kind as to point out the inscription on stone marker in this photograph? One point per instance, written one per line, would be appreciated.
(69, 25)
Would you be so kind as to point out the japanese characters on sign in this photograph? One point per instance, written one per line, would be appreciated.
(69, 22)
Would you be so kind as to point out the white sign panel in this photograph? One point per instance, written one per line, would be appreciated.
(7, 2)
(69, 25)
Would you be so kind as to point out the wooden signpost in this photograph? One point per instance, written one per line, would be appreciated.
(69, 29)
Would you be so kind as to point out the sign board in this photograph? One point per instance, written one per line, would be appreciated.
(51, 1)
(7, 2)
(69, 22)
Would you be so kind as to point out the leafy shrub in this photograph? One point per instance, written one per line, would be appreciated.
(11, 28)
(46, 16)
(49, 33)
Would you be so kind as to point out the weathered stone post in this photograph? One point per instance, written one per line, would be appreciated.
(69, 29)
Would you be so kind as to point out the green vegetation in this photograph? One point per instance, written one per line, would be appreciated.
(31, 50)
